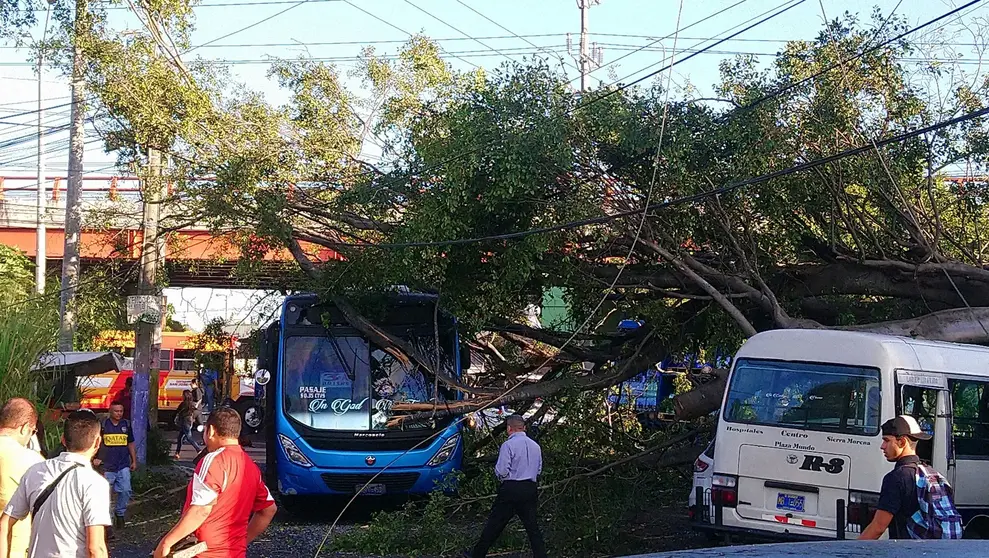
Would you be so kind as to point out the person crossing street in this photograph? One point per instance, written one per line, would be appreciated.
(520, 461)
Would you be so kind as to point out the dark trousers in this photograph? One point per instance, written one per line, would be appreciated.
(514, 498)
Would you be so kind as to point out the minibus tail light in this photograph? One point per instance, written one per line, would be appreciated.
(724, 490)
(700, 465)
(861, 507)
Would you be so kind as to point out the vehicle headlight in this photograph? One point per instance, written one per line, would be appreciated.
(293, 452)
(445, 452)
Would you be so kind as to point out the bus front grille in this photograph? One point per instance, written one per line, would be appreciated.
(346, 482)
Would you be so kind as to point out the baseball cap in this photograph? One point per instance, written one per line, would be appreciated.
(904, 425)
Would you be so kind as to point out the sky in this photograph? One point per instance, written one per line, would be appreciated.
(635, 37)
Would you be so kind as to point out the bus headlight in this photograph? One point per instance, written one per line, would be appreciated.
(445, 452)
(293, 452)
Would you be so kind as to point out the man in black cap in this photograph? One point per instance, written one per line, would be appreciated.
(899, 507)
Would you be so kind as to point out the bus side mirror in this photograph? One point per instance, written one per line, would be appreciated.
(464, 356)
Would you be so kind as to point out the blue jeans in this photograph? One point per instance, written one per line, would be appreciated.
(120, 483)
(185, 432)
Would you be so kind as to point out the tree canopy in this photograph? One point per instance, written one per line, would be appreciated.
(491, 188)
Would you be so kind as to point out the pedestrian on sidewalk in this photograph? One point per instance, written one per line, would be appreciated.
(69, 502)
(185, 420)
(915, 501)
(227, 504)
(520, 461)
(118, 457)
(18, 421)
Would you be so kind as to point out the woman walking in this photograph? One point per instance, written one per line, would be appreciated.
(184, 419)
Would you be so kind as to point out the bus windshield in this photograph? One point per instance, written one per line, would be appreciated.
(824, 397)
(344, 383)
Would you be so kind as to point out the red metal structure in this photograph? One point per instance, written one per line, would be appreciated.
(196, 257)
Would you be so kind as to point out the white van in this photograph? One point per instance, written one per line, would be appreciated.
(798, 441)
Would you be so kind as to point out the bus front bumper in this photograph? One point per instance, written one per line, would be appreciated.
(295, 480)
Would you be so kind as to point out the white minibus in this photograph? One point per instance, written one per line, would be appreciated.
(798, 444)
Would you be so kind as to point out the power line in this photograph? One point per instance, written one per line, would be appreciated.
(526, 51)
(765, 19)
(883, 44)
(698, 22)
(523, 37)
(392, 25)
(251, 26)
(35, 111)
(685, 199)
(478, 41)
(514, 34)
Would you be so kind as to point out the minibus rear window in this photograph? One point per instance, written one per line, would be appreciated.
(824, 397)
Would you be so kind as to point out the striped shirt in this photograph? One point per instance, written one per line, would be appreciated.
(230, 481)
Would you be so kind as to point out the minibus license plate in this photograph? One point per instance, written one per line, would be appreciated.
(790, 502)
(372, 489)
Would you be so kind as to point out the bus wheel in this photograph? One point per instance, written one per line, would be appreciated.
(251, 413)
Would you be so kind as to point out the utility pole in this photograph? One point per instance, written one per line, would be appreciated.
(148, 340)
(41, 249)
(585, 60)
(73, 194)
(588, 58)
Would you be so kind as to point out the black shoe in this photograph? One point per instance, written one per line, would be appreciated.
(118, 522)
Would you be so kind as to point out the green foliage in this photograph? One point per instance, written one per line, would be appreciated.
(205, 344)
(28, 327)
(608, 514)
(99, 304)
(16, 275)
(27, 332)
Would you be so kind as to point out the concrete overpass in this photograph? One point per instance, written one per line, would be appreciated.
(112, 211)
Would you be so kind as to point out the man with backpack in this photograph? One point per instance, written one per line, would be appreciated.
(915, 502)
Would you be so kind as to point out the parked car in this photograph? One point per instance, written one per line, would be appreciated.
(703, 473)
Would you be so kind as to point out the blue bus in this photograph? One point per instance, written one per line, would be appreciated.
(327, 395)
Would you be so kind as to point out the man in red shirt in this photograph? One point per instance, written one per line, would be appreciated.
(227, 504)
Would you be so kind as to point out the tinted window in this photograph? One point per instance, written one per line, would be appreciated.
(970, 429)
(824, 397)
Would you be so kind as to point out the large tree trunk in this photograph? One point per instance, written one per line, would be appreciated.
(957, 325)
(703, 399)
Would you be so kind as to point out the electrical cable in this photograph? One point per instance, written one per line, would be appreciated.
(251, 26)
(478, 41)
(685, 199)
(576, 332)
(599, 98)
(870, 50)
(516, 35)
(392, 25)
(698, 22)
